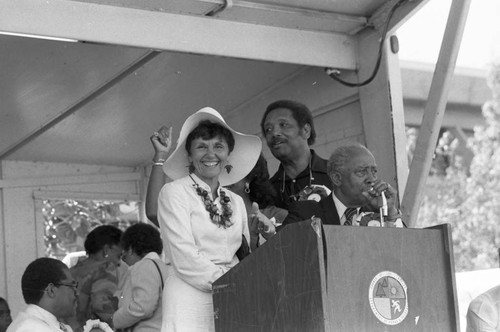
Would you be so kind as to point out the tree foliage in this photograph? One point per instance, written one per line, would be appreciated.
(67, 222)
(469, 200)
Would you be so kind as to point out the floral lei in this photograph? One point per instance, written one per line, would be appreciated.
(222, 220)
(96, 324)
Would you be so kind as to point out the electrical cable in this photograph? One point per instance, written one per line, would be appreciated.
(333, 73)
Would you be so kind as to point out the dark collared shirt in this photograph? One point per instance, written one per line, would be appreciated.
(288, 189)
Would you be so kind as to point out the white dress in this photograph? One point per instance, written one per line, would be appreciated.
(198, 251)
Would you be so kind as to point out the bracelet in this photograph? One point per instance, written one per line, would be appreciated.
(159, 162)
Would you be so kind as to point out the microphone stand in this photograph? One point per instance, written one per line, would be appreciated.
(383, 209)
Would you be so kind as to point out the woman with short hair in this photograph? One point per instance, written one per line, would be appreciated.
(202, 223)
(140, 300)
(98, 275)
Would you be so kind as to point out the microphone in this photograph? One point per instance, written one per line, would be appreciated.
(384, 210)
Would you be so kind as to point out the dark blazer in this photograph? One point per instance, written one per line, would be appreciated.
(324, 209)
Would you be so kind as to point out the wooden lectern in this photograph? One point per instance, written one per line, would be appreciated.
(310, 277)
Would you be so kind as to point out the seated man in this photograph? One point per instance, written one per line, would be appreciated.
(483, 314)
(357, 193)
(50, 292)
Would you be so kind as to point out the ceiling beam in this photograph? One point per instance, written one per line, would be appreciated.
(294, 14)
(67, 180)
(174, 32)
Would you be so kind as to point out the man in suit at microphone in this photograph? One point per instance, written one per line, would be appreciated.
(357, 195)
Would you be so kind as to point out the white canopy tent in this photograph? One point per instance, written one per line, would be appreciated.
(77, 112)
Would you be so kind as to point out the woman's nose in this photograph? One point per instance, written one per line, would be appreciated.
(211, 151)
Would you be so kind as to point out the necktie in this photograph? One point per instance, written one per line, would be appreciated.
(349, 214)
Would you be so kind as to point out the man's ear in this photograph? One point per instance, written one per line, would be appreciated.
(336, 178)
(306, 131)
(49, 290)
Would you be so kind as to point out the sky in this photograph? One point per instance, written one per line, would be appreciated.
(421, 36)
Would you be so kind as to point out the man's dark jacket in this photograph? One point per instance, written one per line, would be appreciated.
(324, 209)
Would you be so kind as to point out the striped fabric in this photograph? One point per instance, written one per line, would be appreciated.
(349, 214)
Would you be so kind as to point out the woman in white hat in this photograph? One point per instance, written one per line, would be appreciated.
(202, 223)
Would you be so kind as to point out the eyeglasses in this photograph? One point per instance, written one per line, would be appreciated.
(73, 285)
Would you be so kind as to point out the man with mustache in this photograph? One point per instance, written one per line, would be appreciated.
(289, 131)
(357, 193)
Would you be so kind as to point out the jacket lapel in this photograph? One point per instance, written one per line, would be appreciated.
(329, 211)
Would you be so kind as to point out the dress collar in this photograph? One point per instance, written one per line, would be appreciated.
(204, 185)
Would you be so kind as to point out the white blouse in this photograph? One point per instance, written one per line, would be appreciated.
(199, 250)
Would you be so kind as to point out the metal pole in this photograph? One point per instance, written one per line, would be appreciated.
(434, 111)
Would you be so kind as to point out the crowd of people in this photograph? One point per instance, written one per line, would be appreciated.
(213, 202)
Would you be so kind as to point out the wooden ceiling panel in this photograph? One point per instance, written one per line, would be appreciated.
(314, 15)
(114, 129)
(361, 8)
(41, 79)
(351, 7)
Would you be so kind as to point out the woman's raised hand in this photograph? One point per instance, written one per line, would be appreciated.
(162, 141)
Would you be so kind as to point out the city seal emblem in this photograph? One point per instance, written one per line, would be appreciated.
(388, 298)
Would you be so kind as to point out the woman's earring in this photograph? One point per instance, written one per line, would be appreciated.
(228, 168)
(247, 188)
(191, 168)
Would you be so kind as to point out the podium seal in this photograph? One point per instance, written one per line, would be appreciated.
(388, 298)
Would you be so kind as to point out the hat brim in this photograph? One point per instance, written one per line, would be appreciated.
(243, 158)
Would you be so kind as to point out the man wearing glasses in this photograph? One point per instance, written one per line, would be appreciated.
(51, 294)
(357, 196)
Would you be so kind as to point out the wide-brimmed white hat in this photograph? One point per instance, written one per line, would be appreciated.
(243, 158)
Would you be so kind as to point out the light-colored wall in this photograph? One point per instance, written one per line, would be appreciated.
(22, 232)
